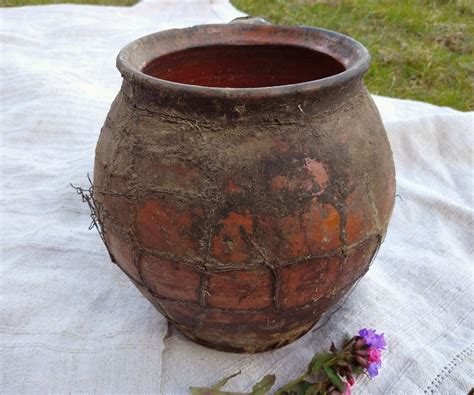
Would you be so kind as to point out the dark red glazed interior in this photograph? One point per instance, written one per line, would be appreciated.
(244, 66)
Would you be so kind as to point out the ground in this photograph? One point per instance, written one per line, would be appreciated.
(421, 49)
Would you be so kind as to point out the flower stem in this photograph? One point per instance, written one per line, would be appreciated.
(341, 354)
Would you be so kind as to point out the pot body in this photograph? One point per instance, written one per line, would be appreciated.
(243, 219)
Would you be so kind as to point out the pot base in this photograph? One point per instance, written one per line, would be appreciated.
(275, 341)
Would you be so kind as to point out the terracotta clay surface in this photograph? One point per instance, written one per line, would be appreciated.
(243, 178)
(245, 66)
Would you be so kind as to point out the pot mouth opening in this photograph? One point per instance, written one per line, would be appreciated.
(243, 60)
(243, 66)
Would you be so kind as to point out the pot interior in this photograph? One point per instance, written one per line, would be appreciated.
(243, 66)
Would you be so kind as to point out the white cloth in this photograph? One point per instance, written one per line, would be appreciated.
(71, 322)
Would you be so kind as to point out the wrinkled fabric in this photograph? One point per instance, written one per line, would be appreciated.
(71, 322)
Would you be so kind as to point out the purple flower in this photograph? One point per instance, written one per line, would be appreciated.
(372, 339)
(373, 369)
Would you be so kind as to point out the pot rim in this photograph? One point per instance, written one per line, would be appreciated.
(132, 59)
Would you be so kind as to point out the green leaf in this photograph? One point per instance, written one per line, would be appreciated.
(299, 388)
(264, 385)
(318, 361)
(224, 381)
(205, 391)
(202, 391)
(215, 389)
(314, 389)
(335, 379)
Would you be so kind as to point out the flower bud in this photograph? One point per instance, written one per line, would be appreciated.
(360, 343)
(350, 379)
(362, 361)
(362, 353)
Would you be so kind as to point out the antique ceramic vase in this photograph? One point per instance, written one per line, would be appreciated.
(243, 179)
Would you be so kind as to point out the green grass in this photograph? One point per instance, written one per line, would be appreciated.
(421, 49)
(14, 3)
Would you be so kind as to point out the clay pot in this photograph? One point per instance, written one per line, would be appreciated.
(243, 178)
